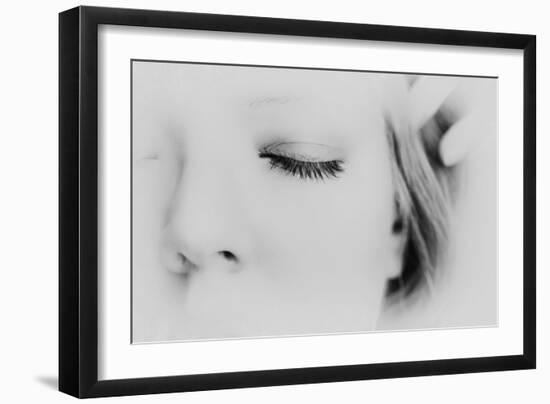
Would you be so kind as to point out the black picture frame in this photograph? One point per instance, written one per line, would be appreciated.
(78, 201)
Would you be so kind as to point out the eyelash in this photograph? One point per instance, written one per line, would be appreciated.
(315, 170)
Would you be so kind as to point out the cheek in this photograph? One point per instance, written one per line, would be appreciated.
(333, 235)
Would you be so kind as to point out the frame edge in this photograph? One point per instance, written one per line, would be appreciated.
(69, 82)
(529, 201)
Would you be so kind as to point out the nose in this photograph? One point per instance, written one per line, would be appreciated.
(204, 226)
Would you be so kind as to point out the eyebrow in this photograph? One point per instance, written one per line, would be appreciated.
(270, 100)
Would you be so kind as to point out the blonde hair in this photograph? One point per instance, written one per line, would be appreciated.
(422, 201)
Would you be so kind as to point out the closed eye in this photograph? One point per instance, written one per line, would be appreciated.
(315, 170)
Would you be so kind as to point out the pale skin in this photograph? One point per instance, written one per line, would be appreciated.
(230, 243)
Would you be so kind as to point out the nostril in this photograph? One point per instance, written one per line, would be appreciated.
(185, 266)
(228, 255)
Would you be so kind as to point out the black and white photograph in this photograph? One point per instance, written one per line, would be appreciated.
(275, 201)
(211, 201)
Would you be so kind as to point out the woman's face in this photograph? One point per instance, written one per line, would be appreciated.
(263, 202)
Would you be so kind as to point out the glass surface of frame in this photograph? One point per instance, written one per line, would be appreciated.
(374, 214)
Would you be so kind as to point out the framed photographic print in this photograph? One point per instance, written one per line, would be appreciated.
(250, 201)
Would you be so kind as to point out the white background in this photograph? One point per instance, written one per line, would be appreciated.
(28, 346)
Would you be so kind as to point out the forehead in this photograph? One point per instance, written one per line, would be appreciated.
(244, 86)
(307, 102)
